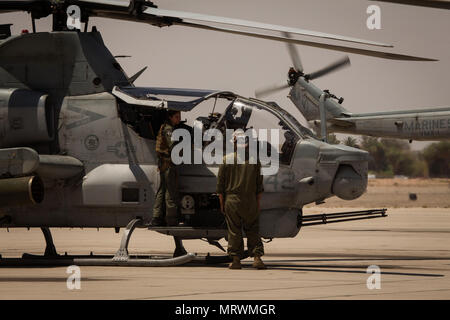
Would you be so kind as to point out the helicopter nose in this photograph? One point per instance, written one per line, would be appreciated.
(350, 180)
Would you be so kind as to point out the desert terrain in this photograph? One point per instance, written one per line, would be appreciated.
(394, 193)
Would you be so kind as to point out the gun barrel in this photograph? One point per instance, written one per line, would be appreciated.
(325, 218)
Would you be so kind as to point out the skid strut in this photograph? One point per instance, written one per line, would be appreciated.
(122, 253)
(179, 248)
(50, 250)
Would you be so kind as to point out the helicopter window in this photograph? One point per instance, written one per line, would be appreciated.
(237, 115)
(209, 120)
(130, 195)
(143, 120)
(287, 139)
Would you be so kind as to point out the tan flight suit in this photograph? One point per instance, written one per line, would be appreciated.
(240, 184)
(167, 195)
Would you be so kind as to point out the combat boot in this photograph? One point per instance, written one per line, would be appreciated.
(258, 264)
(236, 264)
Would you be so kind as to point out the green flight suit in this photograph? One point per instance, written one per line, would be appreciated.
(166, 200)
(240, 184)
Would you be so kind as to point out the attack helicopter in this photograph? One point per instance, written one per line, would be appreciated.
(417, 124)
(78, 144)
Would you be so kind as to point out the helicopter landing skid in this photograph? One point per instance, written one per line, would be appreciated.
(95, 260)
(121, 258)
(29, 260)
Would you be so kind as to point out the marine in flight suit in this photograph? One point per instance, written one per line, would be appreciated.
(165, 209)
(239, 187)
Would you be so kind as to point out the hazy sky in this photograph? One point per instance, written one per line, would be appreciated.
(190, 58)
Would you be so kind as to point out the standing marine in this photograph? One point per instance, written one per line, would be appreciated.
(240, 185)
(165, 210)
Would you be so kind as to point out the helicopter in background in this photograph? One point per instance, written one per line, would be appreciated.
(77, 137)
(417, 124)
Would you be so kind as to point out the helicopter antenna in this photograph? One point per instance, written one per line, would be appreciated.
(215, 101)
(86, 25)
(33, 23)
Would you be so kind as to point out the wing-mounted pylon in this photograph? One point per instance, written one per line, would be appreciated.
(21, 170)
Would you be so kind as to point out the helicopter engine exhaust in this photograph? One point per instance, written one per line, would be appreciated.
(21, 191)
(26, 118)
(348, 184)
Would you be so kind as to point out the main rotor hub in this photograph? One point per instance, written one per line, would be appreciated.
(293, 76)
(136, 6)
(58, 9)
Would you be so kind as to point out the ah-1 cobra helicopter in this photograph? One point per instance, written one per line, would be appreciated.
(426, 124)
(417, 124)
(78, 138)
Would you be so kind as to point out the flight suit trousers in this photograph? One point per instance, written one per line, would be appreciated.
(166, 200)
(241, 213)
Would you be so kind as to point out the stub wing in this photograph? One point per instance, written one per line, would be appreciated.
(18, 162)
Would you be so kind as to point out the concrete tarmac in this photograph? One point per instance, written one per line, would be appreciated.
(411, 247)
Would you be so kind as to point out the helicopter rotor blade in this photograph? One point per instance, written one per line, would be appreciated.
(328, 46)
(270, 89)
(295, 56)
(161, 18)
(147, 12)
(256, 25)
(142, 11)
(339, 64)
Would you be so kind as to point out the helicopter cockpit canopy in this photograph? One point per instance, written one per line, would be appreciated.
(169, 98)
(147, 106)
(237, 115)
(270, 124)
(144, 109)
